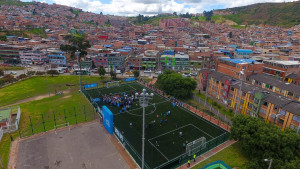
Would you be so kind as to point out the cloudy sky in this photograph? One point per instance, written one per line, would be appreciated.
(152, 7)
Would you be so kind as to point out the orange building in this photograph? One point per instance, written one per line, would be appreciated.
(233, 67)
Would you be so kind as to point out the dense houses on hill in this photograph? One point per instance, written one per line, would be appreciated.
(262, 62)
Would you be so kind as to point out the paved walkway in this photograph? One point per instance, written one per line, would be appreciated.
(209, 154)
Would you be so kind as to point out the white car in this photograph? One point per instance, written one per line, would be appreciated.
(13, 72)
(158, 72)
(186, 75)
(147, 71)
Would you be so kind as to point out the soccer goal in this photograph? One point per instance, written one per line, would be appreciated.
(112, 84)
(195, 146)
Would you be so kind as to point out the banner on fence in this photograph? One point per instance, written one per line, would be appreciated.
(119, 135)
(107, 119)
(90, 85)
(130, 79)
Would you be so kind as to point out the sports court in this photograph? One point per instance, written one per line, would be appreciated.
(82, 147)
(166, 134)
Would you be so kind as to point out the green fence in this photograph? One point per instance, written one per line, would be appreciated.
(56, 119)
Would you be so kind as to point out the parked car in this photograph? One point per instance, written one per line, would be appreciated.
(186, 75)
(147, 71)
(158, 72)
(194, 74)
(13, 72)
(129, 73)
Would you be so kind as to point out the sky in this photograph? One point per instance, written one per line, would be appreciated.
(153, 7)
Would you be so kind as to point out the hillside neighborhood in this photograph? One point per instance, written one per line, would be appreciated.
(247, 69)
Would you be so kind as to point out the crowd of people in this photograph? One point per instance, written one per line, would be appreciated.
(123, 100)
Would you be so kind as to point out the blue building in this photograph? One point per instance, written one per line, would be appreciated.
(57, 58)
(242, 53)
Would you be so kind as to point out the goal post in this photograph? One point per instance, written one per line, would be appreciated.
(112, 84)
(195, 146)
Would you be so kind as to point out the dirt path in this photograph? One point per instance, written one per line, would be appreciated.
(34, 98)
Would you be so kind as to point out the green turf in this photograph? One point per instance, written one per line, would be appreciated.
(167, 134)
(38, 85)
(4, 114)
(233, 156)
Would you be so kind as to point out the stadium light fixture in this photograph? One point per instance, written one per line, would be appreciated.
(144, 99)
(267, 160)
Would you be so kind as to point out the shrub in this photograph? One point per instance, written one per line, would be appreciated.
(30, 73)
(21, 76)
(40, 73)
(9, 79)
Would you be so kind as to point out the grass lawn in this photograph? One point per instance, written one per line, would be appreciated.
(233, 156)
(223, 110)
(47, 106)
(37, 85)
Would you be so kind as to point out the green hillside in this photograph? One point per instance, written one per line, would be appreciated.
(14, 2)
(277, 14)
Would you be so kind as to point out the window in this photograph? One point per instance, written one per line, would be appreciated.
(262, 111)
(290, 93)
(256, 101)
(232, 89)
(282, 112)
(254, 108)
(242, 101)
(244, 67)
(244, 94)
(265, 104)
(296, 118)
(282, 91)
(237, 74)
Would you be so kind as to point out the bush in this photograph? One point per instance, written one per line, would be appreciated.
(9, 79)
(21, 76)
(40, 73)
(1, 72)
(30, 73)
(1, 82)
(52, 72)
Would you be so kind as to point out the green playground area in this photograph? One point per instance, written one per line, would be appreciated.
(166, 134)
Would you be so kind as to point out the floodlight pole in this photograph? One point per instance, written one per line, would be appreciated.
(143, 100)
(77, 53)
(270, 164)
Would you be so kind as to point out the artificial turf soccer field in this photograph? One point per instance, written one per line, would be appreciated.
(170, 144)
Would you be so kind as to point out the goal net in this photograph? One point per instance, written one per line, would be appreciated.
(195, 146)
(112, 84)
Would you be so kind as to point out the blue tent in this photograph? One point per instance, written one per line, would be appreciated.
(96, 100)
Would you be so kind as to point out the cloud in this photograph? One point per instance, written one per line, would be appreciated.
(152, 7)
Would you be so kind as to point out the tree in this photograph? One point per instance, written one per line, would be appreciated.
(52, 72)
(76, 42)
(206, 36)
(1, 72)
(173, 83)
(101, 71)
(260, 140)
(175, 13)
(136, 73)
(113, 75)
(208, 15)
